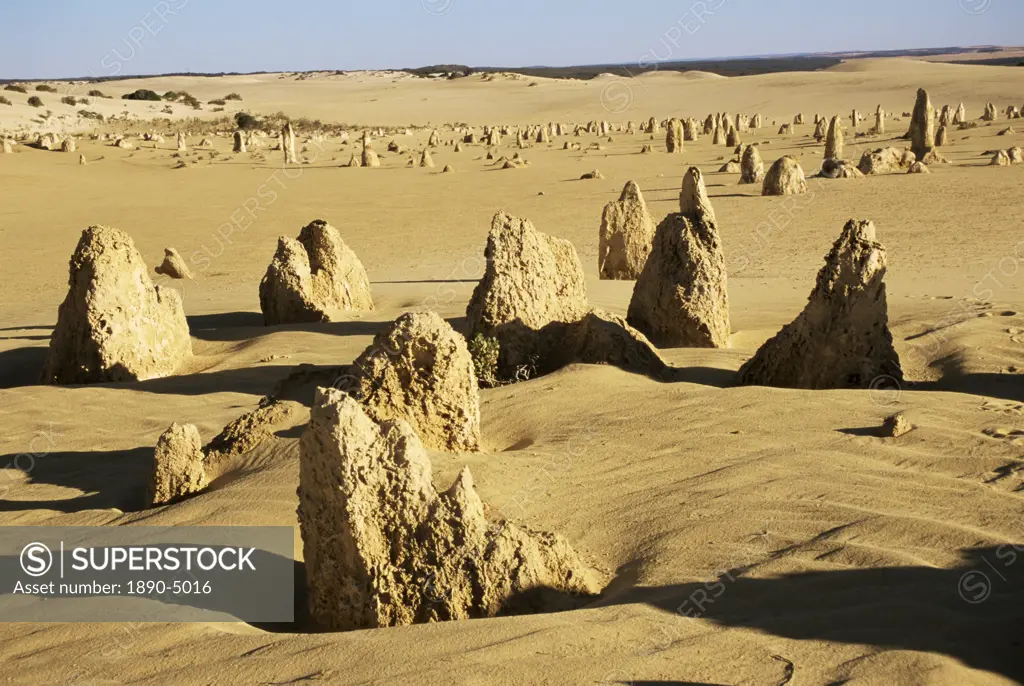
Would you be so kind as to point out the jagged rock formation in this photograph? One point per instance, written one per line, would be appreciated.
(531, 280)
(532, 301)
(885, 161)
(420, 370)
(310, 276)
(821, 130)
(680, 298)
(842, 338)
(1000, 159)
(627, 230)
(960, 117)
(114, 325)
(383, 548)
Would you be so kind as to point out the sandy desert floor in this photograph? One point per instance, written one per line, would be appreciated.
(840, 556)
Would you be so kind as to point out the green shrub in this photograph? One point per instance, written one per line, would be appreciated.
(217, 102)
(69, 100)
(98, 94)
(16, 89)
(172, 96)
(35, 101)
(43, 88)
(485, 352)
(86, 114)
(232, 96)
(246, 121)
(141, 94)
(191, 101)
(5, 101)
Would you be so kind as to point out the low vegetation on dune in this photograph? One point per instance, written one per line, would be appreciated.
(142, 94)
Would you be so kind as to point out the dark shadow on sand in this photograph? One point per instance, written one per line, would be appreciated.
(108, 479)
(972, 613)
(22, 366)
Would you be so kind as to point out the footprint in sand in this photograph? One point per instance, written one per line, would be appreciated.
(1004, 408)
(1014, 436)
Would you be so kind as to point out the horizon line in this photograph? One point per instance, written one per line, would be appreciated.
(651, 67)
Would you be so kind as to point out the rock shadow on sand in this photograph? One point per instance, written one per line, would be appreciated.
(107, 480)
(971, 613)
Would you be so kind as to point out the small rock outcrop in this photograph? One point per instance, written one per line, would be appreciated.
(680, 298)
(1000, 159)
(627, 231)
(886, 161)
(785, 177)
(896, 425)
(839, 169)
(178, 468)
(751, 166)
(420, 370)
(842, 338)
(114, 325)
(383, 548)
(821, 130)
(174, 266)
(312, 275)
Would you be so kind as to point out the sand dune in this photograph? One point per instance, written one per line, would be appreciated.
(751, 535)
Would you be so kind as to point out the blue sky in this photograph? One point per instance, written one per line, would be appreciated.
(63, 38)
